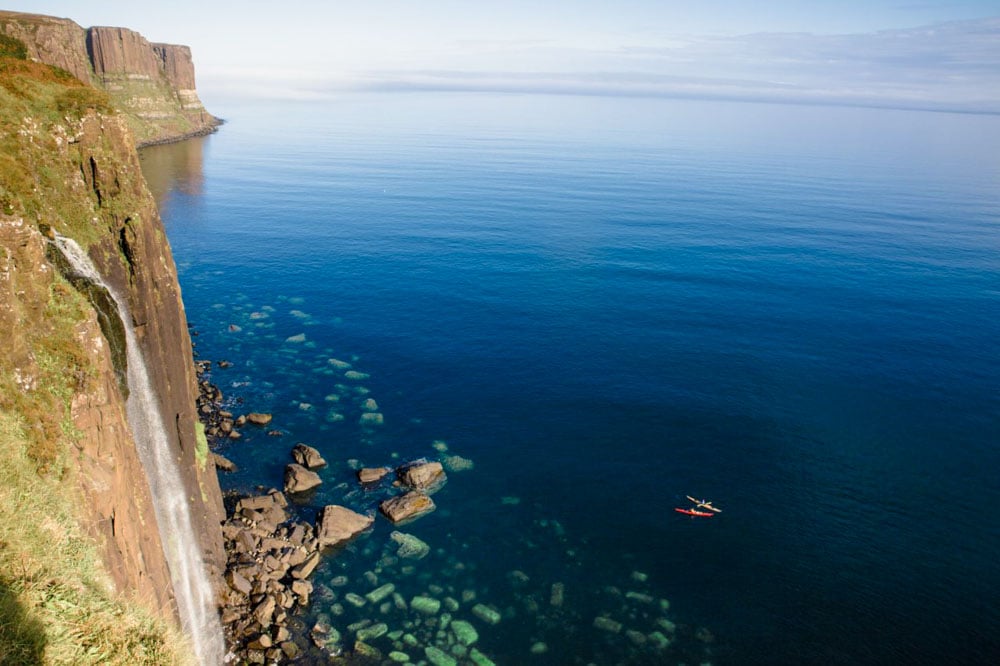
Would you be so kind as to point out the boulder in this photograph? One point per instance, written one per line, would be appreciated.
(258, 418)
(299, 479)
(223, 463)
(410, 547)
(307, 456)
(372, 474)
(410, 506)
(422, 475)
(336, 524)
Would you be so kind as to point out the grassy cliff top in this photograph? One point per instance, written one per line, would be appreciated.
(57, 603)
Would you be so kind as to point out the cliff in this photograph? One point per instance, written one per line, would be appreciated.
(77, 517)
(152, 84)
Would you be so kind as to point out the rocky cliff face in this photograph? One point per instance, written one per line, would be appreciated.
(69, 163)
(153, 84)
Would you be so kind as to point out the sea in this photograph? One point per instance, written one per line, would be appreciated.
(589, 309)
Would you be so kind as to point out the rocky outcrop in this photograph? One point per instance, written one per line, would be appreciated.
(307, 456)
(153, 84)
(54, 41)
(336, 524)
(298, 479)
(407, 507)
(422, 475)
(75, 169)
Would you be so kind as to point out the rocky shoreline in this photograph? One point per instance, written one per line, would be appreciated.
(270, 556)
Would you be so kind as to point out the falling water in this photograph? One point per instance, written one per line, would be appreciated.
(192, 589)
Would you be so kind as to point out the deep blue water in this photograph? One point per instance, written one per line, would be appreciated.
(607, 304)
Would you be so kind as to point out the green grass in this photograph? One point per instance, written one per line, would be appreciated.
(57, 605)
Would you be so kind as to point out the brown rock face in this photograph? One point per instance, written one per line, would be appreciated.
(56, 41)
(177, 65)
(407, 507)
(152, 83)
(119, 51)
(336, 524)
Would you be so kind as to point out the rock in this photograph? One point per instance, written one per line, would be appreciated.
(264, 611)
(425, 605)
(262, 642)
(607, 624)
(336, 524)
(223, 463)
(372, 632)
(259, 419)
(457, 463)
(480, 659)
(365, 651)
(290, 649)
(307, 456)
(371, 418)
(422, 475)
(539, 648)
(355, 600)
(486, 614)
(399, 657)
(637, 637)
(380, 593)
(240, 421)
(372, 474)
(464, 632)
(557, 594)
(410, 547)
(303, 570)
(640, 597)
(238, 583)
(658, 640)
(410, 506)
(299, 479)
(438, 657)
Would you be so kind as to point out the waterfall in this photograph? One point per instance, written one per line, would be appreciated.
(195, 601)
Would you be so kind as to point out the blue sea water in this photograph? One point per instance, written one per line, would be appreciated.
(606, 305)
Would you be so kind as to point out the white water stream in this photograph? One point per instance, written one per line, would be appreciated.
(195, 601)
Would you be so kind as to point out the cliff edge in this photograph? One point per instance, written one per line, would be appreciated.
(152, 84)
(83, 574)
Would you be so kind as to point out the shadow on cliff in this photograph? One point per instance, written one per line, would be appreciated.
(22, 637)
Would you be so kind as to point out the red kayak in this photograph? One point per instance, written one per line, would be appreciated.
(692, 512)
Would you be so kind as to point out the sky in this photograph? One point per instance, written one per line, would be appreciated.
(893, 53)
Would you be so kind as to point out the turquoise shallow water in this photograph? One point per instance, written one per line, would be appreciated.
(605, 305)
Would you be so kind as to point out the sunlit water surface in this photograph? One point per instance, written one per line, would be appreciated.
(606, 305)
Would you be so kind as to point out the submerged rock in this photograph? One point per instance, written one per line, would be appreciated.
(410, 506)
(410, 547)
(336, 524)
(464, 632)
(486, 614)
(307, 456)
(607, 624)
(457, 463)
(439, 657)
(298, 479)
(425, 605)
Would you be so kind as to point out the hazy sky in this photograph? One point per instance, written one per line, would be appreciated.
(882, 52)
